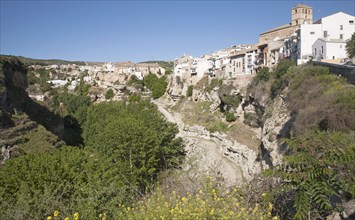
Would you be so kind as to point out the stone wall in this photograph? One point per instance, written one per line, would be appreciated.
(345, 71)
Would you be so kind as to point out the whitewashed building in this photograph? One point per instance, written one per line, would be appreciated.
(331, 31)
(329, 49)
(182, 66)
(251, 56)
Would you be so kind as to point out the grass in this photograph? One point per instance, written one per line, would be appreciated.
(198, 113)
(38, 140)
(243, 134)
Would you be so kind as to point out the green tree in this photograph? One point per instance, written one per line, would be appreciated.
(135, 134)
(350, 46)
(189, 90)
(320, 168)
(68, 180)
(156, 85)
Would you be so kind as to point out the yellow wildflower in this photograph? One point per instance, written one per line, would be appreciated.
(49, 218)
(275, 218)
(100, 216)
(263, 194)
(56, 213)
(66, 218)
(212, 212)
(270, 207)
(76, 216)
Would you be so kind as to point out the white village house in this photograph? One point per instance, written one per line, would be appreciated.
(325, 38)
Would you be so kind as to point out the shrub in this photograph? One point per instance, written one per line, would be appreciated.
(34, 185)
(230, 116)
(318, 174)
(156, 85)
(227, 98)
(134, 81)
(214, 83)
(252, 120)
(135, 134)
(263, 74)
(189, 90)
(209, 202)
(109, 94)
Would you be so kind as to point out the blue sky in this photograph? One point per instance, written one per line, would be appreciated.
(141, 30)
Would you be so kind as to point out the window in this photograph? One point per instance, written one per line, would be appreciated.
(341, 27)
(341, 46)
(322, 50)
(325, 34)
(341, 36)
(312, 32)
(315, 51)
(351, 21)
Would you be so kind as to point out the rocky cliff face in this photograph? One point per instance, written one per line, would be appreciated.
(275, 127)
(213, 154)
(216, 152)
(21, 119)
(13, 83)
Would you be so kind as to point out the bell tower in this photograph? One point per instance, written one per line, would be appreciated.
(301, 14)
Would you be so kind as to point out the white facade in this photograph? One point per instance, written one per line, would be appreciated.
(329, 49)
(309, 34)
(182, 65)
(108, 67)
(250, 61)
(236, 66)
(333, 28)
(57, 83)
(338, 24)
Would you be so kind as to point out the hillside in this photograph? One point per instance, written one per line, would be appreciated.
(281, 147)
(31, 61)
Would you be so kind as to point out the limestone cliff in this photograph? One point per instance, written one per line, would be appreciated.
(25, 126)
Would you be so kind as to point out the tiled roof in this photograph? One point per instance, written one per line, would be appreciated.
(277, 28)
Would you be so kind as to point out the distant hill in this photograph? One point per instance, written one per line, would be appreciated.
(30, 61)
(167, 65)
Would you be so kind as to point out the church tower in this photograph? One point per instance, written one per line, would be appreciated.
(301, 14)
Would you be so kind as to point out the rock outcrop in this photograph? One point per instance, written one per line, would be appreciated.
(20, 115)
(275, 127)
(214, 154)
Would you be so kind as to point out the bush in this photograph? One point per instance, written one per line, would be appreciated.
(34, 185)
(318, 175)
(230, 116)
(109, 94)
(156, 85)
(209, 202)
(189, 90)
(252, 120)
(214, 83)
(227, 98)
(135, 134)
(263, 74)
(134, 81)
